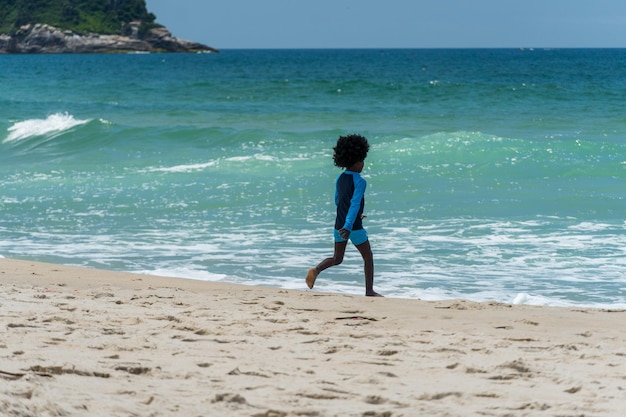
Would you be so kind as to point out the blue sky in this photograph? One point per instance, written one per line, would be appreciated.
(226, 24)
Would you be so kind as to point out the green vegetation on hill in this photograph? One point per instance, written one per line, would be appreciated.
(80, 16)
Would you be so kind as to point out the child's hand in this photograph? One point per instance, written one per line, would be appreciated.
(345, 234)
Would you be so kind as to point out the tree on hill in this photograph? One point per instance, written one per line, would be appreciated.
(79, 16)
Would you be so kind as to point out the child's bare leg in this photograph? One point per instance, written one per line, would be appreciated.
(368, 266)
(336, 259)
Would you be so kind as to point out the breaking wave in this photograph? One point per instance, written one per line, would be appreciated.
(50, 127)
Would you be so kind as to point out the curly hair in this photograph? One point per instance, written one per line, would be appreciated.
(350, 149)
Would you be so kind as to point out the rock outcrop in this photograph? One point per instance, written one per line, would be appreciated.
(46, 39)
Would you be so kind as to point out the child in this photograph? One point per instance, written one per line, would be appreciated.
(350, 153)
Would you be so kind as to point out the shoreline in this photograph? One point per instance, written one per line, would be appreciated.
(92, 342)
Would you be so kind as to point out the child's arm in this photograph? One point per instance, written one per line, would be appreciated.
(355, 202)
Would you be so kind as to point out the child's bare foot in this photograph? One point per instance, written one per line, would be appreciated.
(311, 276)
(372, 294)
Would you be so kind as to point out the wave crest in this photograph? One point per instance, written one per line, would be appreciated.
(52, 126)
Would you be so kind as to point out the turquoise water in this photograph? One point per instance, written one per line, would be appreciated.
(492, 175)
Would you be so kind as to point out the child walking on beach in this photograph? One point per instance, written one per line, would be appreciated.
(349, 154)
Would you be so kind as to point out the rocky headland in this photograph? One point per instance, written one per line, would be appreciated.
(46, 39)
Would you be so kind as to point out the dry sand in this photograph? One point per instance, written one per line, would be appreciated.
(82, 342)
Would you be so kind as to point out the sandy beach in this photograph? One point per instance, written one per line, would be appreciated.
(83, 342)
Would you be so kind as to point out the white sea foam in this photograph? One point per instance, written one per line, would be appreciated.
(181, 168)
(258, 157)
(528, 299)
(52, 126)
(186, 273)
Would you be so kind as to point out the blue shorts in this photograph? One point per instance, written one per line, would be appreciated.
(357, 237)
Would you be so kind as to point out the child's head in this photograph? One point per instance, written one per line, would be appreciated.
(350, 149)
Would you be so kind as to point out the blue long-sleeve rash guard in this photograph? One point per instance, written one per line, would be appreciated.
(350, 200)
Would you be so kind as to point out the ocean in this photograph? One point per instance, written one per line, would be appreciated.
(493, 174)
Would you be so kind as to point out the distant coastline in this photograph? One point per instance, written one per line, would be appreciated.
(46, 39)
(86, 26)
